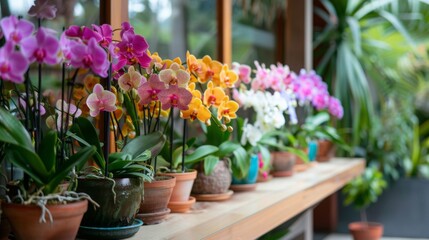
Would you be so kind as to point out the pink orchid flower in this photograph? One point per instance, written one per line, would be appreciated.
(13, 64)
(43, 9)
(43, 48)
(133, 48)
(131, 79)
(149, 90)
(321, 100)
(175, 97)
(243, 72)
(16, 30)
(100, 100)
(90, 56)
(175, 76)
(69, 110)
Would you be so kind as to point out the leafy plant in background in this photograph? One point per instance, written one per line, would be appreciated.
(342, 47)
(364, 190)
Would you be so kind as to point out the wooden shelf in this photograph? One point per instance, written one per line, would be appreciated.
(248, 215)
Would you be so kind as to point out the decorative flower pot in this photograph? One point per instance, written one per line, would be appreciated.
(325, 150)
(117, 208)
(311, 151)
(213, 187)
(366, 230)
(153, 207)
(180, 200)
(24, 220)
(283, 163)
(247, 183)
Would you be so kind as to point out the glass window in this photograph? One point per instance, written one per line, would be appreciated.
(254, 30)
(173, 26)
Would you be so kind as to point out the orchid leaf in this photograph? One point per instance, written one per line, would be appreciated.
(210, 163)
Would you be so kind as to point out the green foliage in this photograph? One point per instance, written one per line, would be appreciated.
(365, 189)
(344, 47)
(130, 161)
(43, 166)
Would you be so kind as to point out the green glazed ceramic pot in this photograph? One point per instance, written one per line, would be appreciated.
(113, 211)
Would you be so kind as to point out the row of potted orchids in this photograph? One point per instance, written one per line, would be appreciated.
(129, 129)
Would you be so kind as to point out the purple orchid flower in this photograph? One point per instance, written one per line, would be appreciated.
(43, 47)
(43, 9)
(90, 56)
(126, 26)
(104, 34)
(23, 104)
(335, 108)
(16, 30)
(13, 64)
(74, 31)
(175, 97)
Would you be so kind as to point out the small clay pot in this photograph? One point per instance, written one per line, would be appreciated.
(24, 220)
(283, 163)
(117, 208)
(153, 207)
(325, 150)
(216, 183)
(184, 183)
(366, 230)
(5, 228)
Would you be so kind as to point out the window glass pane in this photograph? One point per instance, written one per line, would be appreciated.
(173, 26)
(254, 27)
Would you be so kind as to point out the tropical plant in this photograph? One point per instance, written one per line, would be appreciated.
(342, 48)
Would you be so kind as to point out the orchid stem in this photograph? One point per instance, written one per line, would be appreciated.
(107, 128)
(185, 129)
(171, 135)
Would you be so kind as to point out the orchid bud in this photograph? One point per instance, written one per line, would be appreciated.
(208, 122)
(230, 129)
(223, 128)
(121, 98)
(227, 119)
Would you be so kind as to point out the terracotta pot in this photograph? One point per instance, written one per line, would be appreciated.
(180, 200)
(215, 183)
(24, 220)
(153, 207)
(283, 163)
(325, 150)
(183, 187)
(5, 228)
(114, 211)
(366, 230)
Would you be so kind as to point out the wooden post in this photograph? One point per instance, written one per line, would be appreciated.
(224, 29)
(114, 12)
(299, 28)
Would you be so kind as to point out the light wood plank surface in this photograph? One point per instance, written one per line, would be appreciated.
(248, 215)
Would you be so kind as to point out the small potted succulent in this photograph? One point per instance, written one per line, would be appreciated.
(361, 192)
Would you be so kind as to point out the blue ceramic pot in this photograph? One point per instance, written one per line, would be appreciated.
(252, 174)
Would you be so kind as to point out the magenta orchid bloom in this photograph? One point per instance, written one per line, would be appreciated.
(126, 26)
(90, 56)
(43, 9)
(16, 30)
(13, 64)
(133, 48)
(335, 108)
(100, 100)
(130, 80)
(103, 34)
(321, 100)
(74, 32)
(175, 76)
(149, 90)
(175, 97)
(43, 47)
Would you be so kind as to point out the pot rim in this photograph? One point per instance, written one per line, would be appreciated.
(359, 225)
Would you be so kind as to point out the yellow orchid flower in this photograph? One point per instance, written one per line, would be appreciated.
(89, 82)
(212, 70)
(213, 96)
(195, 92)
(227, 77)
(195, 67)
(227, 109)
(196, 110)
